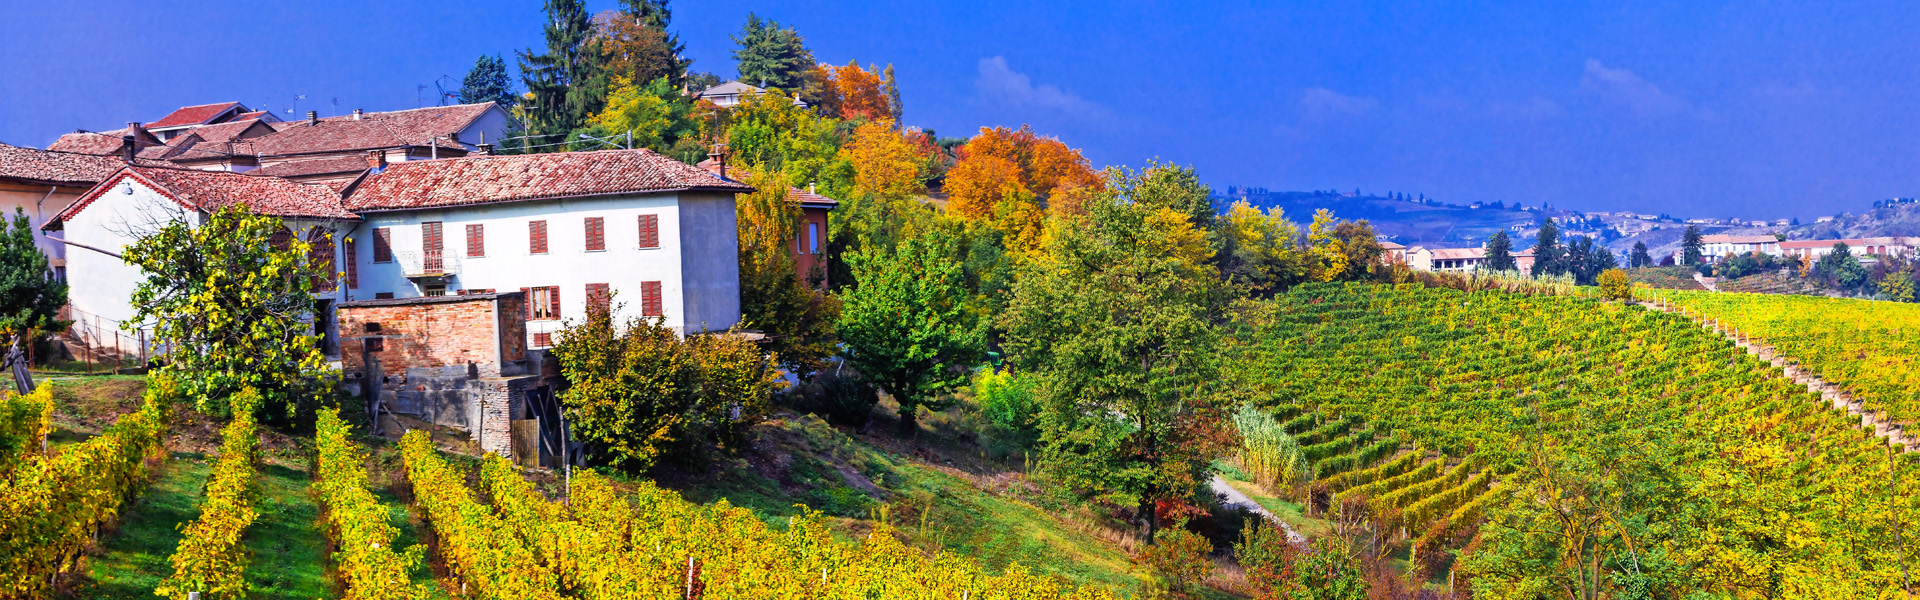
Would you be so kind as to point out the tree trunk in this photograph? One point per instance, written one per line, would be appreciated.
(909, 420)
(1152, 519)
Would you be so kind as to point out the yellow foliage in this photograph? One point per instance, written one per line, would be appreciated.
(885, 163)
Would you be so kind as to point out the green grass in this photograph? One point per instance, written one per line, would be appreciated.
(133, 560)
(999, 531)
(1289, 511)
(287, 542)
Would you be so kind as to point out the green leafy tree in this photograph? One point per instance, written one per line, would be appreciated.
(1116, 319)
(1690, 245)
(1500, 253)
(908, 325)
(797, 318)
(487, 81)
(1841, 269)
(30, 296)
(567, 83)
(637, 391)
(1640, 257)
(1547, 251)
(655, 114)
(234, 310)
(772, 57)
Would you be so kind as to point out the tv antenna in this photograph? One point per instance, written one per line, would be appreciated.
(444, 94)
(418, 99)
(296, 104)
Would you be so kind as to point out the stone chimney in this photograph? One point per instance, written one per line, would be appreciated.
(486, 149)
(313, 118)
(376, 159)
(128, 148)
(357, 113)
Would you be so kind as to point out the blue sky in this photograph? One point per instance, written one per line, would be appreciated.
(1741, 109)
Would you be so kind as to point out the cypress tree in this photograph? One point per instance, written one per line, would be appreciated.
(770, 56)
(1640, 258)
(1546, 251)
(1690, 245)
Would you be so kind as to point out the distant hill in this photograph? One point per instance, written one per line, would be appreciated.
(1410, 222)
(1888, 219)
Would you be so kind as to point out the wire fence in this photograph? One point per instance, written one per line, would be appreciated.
(101, 339)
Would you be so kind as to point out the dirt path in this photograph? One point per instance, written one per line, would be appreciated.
(1237, 499)
(1832, 395)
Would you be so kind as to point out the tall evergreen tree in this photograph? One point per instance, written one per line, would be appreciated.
(1546, 251)
(1690, 245)
(1500, 253)
(487, 81)
(30, 296)
(655, 14)
(567, 82)
(893, 93)
(1640, 257)
(770, 56)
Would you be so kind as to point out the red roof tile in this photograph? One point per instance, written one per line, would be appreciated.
(373, 130)
(44, 166)
(489, 179)
(212, 190)
(232, 130)
(86, 142)
(192, 115)
(319, 166)
(794, 194)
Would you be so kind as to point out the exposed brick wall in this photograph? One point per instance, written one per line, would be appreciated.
(513, 327)
(425, 335)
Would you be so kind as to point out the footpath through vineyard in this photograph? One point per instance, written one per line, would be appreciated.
(1839, 398)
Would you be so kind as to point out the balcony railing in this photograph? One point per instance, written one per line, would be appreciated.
(417, 266)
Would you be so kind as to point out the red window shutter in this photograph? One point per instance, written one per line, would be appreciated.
(476, 240)
(526, 298)
(383, 245)
(431, 246)
(598, 296)
(537, 237)
(649, 231)
(553, 301)
(353, 265)
(542, 339)
(650, 304)
(596, 234)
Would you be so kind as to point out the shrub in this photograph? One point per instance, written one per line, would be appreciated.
(1615, 285)
(1007, 399)
(1179, 557)
(839, 396)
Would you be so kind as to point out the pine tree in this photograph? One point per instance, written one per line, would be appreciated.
(488, 82)
(655, 14)
(1500, 253)
(567, 83)
(893, 93)
(1546, 251)
(1690, 246)
(771, 57)
(1640, 258)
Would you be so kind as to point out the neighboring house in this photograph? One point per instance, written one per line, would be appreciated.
(1421, 258)
(567, 228)
(1396, 253)
(732, 93)
(135, 200)
(43, 183)
(1876, 246)
(809, 248)
(1719, 245)
(332, 150)
(1523, 260)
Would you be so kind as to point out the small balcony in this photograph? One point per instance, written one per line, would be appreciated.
(417, 266)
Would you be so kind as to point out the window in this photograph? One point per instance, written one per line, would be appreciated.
(649, 231)
(383, 244)
(542, 340)
(596, 234)
(813, 238)
(476, 240)
(353, 264)
(599, 297)
(433, 290)
(431, 246)
(537, 237)
(374, 344)
(650, 299)
(383, 295)
(543, 303)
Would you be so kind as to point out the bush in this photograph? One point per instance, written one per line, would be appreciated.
(839, 396)
(1179, 557)
(1615, 285)
(1007, 400)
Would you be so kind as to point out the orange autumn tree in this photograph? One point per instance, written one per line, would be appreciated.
(859, 93)
(1005, 176)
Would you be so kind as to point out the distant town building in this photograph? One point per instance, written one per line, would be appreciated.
(733, 93)
(1717, 245)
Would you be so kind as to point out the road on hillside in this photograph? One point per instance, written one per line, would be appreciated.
(1240, 500)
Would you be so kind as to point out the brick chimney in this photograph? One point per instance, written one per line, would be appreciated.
(486, 149)
(128, 148)
(376, 159)
(718, 152)
(313, 118)
(357, 113)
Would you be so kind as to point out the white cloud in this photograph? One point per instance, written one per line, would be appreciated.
(1625, 88)
(1000, 83)
(1322, 102)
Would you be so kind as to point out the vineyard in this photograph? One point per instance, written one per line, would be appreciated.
(1495, 402)
(1869, 347)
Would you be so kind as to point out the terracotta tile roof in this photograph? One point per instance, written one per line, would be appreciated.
(1737, 239)
(310, 167)
(212, 190)
(258, 114)
(86, 142)
(1459, 253)
(193, 115)
(489, 179)
(373, 130)
(231, 131)
(45, 166)
(794, 194)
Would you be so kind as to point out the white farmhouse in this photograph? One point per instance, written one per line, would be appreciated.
(138, 200)
(569, 228)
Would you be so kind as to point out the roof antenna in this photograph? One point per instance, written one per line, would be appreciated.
(418, 98)
(295, 106)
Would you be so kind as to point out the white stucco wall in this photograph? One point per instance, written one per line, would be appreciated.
(697, 247)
